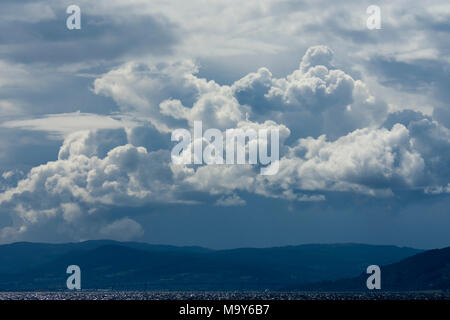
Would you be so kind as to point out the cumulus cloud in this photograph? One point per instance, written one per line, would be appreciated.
(67, 192)
(432, 140)
(157, 67)
(122, 230)
(10, 178)
(231, 201)
(317, 98)
(317, 56)
(141, 87)
(368, 161)
(166, 92)
(438, 190)
(335, 136)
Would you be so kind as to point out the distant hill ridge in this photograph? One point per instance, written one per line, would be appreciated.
(429, 270)
(109, 264)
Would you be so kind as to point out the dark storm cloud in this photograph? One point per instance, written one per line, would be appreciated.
(419, 75)
(404, 117)
(427, 77)
(23, 149)
(100, 38)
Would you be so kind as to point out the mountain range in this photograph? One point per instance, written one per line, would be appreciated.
(139, 266)
(429, 270)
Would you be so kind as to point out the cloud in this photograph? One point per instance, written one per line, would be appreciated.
(432, 140)
(124, 229)
(335, 136)
(26, 12)
(9, 178)
(63, 124)
(317, 56)
(9, 108)
(68, 192)
(139, 88)
(438, 190)
(366, 160)
(315, 99)
(369, 161)
(311, 101)
(92, 143)
(103, 36)
(231, 201)
(12, 75)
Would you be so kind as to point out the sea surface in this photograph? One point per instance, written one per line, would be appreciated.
(176, 295)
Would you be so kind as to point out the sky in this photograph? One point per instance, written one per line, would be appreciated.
(86, 118)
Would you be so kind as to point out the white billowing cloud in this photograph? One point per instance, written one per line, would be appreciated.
(315, 98)
(432, 140)
(215, 109)
(92, 143)
(71, 212)
(340, 145)
(122, 230)
(7, 174)
(222, 179)
(370, 161)
(67, 192)
(230, 201)
(95, 170)
(140, 87)
(438, 190)
(226, 179)
(366, 160)
(160, 93)
(317, 56)
(9, 178)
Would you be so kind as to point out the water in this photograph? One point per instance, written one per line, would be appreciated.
(178, 295)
